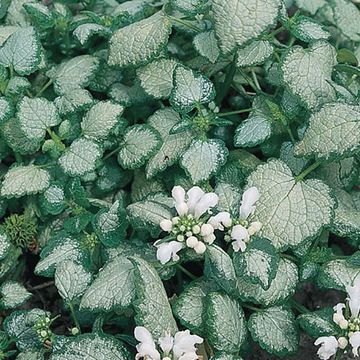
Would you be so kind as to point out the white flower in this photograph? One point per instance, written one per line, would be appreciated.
(343, 342)
(166, 343)
(184, 344)
(355, 342)
(166, 225)
(354, 298)
(254, 227)
(146, 348)
(241, 236)
(338, 317)
(206, 229)
(168, 250)
(329, 346)
(249, 198)
(200, 248)
(220, 220)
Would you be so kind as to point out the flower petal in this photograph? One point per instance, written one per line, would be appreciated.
(178, 194)
(329, 346)
(239, 232)
(354, 297)
(206, 202)
(354, 341)
(194, 195)
(168, 250)
(249, 198)
(166, 343)
(220, 220)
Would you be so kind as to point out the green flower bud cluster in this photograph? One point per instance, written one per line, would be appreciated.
(42, 328)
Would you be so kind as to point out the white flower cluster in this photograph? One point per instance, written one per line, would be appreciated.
(179, 347)
(349, 325)
(193, 228)
(241, 229)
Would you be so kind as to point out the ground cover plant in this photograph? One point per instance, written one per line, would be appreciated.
(179, 179)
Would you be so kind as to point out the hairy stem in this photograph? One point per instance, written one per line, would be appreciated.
(307, 171)
(76, 321)
(242, 111)
(186, 272)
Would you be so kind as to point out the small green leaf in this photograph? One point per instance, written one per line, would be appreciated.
(298, 211)
(308, 30)
(258, 264)
(140, 142)
(52, 200)
(225, 323)
(13, 294)
(112, 289)
(256, 53)
(152, 307)
(24, 180)
(156, 78)
(173, 145)
(238, 21)
(190, 89)
(203, 159)
(85, 31)
(101, 119)
(27, 60)
(35, 116)
(307, 73)
(139, 43)
(40, 13)
(87, 346)
(80, 158)
(207, 46)
(318, 323)
(275, 330)
(71, 279)
(110, 224)
(345, 56)
(334, 131)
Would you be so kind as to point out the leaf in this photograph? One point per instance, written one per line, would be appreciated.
(139, 43)
(189, 7)
(282, 287)
(258, 264)
(60, 248)
(189, 307)
(347, 18)
(156, 78)
(307, 73)
(13, 295)
(35, 116)
(311, 6)
(22, 51)
(225, 356)
(318, 323)
(30, 355)
(204, 159)
(41, 14)
(17, 85)
(238, 21)
(24, 180)
(112, 289)
(333, 131)
(207, 46)
(173, 145)
(152, 307)
(229, 197)
(220, 269)
(225, 323)
(5, 245)
(71, 279)
(275, 330)
(6, 110)
(337, 274)
(80, 158)
(295, 164)
(308, 30)
(256, 53)
(190, 89)
(73, 101)
(128, 95)
(19, 326)
(110, 224)
(290, 211)
(75, 73)
(148, 213)
(101, 119)
(85, 31)
(87, 346)
(140, 142)
(252, 131)
(6, 31)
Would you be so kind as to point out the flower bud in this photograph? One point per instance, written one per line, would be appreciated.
(175, 220)
(192, 241)
(200, 248)
(196, 229)
(342, 341)
(182, 228)
(74, 331)
(343, 324)
(254, 227)
(206, 229)
(180, 238)
(43, 333)
(188, 233)
(209, 238)
(166, 225)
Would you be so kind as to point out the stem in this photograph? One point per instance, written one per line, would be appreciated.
(307, 171)
(250, 307)
(300, 308)
(186, 272)
(256, 82)
(289, 257)
(185, 23)
(290, 134)
(227, 82)
(111, 153)
(49, 82)
(41, 286)
(55, 138)
(235, 112)
(277, 31)
(338, 355)
(76, 321)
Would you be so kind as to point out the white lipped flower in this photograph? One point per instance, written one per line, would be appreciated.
(354, 298)
(190, 227)
(328, 348)
(338, 316)
(354, 341)
(178, 347)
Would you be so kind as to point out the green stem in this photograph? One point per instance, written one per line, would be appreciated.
(56, 138)
(235, 112)
(338, 355)
(307, 171)
(49, 82)
(185, 23)
(186, 272)
(289, 257)
(256, 82)
(76, 321)
(292, 138)
(230, 73)
(250, 307)
(300, 308)
(277, 31)
(111, 153)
